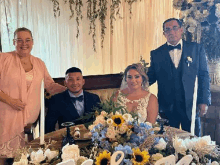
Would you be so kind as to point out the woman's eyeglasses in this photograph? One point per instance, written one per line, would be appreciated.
(20, 41)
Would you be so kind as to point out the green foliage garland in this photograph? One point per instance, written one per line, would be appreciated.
(95, 9)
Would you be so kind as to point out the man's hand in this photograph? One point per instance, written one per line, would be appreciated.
(16, 104)
(203, 109)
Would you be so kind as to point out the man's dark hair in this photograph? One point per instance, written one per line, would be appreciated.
(73, 70)
(172, 19)
(21, 30)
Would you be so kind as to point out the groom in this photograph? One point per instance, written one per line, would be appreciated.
(180, 69)
(71, 104)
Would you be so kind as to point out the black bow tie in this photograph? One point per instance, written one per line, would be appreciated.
(80, 98)
(170, 47)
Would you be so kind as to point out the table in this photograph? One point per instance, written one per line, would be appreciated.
(83, 141)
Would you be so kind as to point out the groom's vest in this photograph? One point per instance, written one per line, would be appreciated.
(179, 94)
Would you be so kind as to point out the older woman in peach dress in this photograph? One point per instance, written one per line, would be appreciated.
(20, 83)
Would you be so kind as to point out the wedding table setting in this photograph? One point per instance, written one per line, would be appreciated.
(120, 138)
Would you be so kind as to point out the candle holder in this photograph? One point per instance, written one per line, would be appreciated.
(162, 122)
(68, 138)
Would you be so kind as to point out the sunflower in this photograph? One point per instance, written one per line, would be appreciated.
(103, 158)
(118, 120)
(140, 158)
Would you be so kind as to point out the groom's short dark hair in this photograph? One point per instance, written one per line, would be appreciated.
(72, 70)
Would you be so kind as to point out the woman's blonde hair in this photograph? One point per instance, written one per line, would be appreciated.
(141, 70)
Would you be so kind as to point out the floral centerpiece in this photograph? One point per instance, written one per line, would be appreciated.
(115, 130)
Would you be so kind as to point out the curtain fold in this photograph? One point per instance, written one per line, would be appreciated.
(55, 39)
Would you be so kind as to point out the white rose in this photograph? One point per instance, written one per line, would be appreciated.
(215, 163)
(127, 117)
(23, 160)
(109, 121)
(117, 113)
(179, 145)
(50, 154)
(91, 127)
(161, 145)
(103, 113)
(70, 152)
(99, 120)
(37, 157)
(189, 143)
(123, 129)
(148, 123)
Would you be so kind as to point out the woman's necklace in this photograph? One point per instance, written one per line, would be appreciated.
(25, 60)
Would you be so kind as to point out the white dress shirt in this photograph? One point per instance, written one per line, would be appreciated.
(79, 105)
(176, 54)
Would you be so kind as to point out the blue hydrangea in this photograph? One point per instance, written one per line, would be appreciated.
(103, 133)
(127, 162)
(95, 136)
(143, 138)
(98, 126)
(135, 139)
(137, 129)
(126, 149)
(105, 145)
(144, 125)
(156, 140)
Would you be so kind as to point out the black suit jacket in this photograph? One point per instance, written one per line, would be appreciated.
(161, 71)
(61, 109)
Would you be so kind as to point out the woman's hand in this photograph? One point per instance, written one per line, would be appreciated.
(16, 104)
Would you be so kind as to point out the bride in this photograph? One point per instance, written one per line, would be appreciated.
(134, 94)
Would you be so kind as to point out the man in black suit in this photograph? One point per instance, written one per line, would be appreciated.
(181, 71)
(71, 104)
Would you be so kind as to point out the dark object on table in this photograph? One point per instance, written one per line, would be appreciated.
(68, 138)
(162, 121)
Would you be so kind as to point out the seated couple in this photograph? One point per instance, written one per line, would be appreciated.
(73, 103)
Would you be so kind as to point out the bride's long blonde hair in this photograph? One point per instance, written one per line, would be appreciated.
(141, 70)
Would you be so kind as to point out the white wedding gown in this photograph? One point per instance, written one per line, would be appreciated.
(141, 108)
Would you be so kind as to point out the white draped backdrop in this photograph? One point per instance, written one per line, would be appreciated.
(55, 39)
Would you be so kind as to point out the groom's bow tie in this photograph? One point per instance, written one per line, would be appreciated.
(80, 98)
(170, 47)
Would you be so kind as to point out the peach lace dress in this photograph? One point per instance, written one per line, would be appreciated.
(141, 108)
(8, 149)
